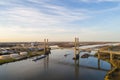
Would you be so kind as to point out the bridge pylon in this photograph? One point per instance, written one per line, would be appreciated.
(76, 49)
(46, 46)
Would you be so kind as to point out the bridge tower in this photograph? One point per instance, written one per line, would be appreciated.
(46, 46)
(76, 49)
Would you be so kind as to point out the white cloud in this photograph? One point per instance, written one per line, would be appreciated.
(46, 19)
(46, 15)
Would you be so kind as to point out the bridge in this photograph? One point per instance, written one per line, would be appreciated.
(111, 53)
(115, 66)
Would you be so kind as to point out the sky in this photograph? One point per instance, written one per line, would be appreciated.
(59, 20)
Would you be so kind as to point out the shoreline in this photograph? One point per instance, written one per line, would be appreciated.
(21, 57)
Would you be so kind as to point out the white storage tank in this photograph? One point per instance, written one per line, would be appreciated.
(5, 57)
(15, 55)
(4, 52)
(24, 53)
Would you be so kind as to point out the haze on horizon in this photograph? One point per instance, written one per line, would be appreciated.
(59, 20)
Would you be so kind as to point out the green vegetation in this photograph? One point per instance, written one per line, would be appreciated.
(6, 61)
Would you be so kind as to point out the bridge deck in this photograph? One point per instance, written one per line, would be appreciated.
(110, 52)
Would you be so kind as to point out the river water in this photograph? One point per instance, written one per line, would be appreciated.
(56, 66)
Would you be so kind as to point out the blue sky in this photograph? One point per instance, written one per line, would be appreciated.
(59, 20)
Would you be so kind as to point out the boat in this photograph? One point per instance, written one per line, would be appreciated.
(86, 55)
(66, 55)
(39, 57)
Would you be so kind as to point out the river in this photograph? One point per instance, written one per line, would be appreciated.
(56, 66)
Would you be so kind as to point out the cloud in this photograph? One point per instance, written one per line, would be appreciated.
(33, 18)
(43, 15)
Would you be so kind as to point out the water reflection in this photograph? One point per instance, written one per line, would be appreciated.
(76, 68)
(46, 63)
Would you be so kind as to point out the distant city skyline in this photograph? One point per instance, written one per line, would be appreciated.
(59, 20)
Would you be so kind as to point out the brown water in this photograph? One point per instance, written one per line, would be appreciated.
(56, 67)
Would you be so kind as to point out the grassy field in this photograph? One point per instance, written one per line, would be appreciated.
(6, 61)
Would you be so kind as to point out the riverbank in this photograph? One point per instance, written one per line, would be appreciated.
(7, 58)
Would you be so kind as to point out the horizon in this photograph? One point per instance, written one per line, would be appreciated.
(59, 20)
(56, 41)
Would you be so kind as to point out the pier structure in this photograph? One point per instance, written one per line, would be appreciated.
(76, 49)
